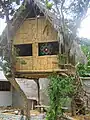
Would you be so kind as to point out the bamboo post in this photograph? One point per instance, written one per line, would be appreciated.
(38, 89)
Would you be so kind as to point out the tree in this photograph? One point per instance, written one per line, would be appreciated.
(7, 10)
(69, 14)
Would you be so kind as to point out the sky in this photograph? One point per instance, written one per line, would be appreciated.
(2, 25)
(84, 30)
(2, 21)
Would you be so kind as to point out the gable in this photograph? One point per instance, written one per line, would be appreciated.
(35, 30)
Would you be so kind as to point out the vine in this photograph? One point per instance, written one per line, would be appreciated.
(15, 56)
(60, 89)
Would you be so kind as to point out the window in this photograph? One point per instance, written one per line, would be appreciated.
(50, 48)
(24, 49)
(5, 86)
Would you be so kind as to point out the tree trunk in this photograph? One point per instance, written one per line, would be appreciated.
(11, 79)
(22, 94)
(73, 107)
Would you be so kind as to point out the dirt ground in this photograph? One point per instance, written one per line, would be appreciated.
(13, 114)
(10, 114)
(81, 117)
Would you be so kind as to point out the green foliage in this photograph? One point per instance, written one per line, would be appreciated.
(49, 5)
(6, 7)
(15, 53)
(74, 9)
(60, 89)
(23, 62)
(6, 68)
(84, 69)
(86, 50)
(62, 58)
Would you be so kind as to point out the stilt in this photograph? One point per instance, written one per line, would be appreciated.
(38, 89)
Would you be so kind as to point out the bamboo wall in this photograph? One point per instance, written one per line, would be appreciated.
(36, 31)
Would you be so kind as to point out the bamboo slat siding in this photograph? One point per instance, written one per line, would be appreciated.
(42, 63)
(34, 31)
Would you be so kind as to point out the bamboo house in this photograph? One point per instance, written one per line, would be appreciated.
(35, 38)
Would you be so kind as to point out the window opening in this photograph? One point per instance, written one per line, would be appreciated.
(24, 50)
(49, 48)
(5, 86)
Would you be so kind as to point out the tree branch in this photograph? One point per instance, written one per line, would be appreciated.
(2, 4)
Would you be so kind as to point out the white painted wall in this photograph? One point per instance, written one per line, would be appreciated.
(30, 89)
(2, 77)
(5, 98)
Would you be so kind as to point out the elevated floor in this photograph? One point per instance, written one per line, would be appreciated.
(66, 69)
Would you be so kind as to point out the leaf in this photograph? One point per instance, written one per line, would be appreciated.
(23, 62)
(59, 90)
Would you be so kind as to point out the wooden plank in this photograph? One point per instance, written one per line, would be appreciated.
(55, 59)
(39, 30)
(26, 66)
(39, 73)
(49, 61)
(43, 63)
(45, 31)
(43, 71)
(35, 49)
(17, 65)
(35, 30)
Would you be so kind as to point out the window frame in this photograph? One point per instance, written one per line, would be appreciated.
(22, 54)
(52, 43)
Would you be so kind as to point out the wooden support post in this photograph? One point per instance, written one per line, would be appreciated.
(38, 89)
